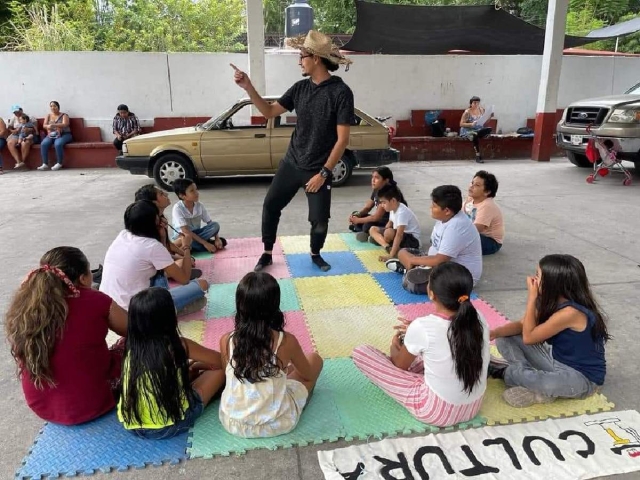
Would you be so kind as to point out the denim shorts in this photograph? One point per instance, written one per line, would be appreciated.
(183, 426)
(182, 295)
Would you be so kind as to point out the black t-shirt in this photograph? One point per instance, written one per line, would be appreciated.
(319, 110)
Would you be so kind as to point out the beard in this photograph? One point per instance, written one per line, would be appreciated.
(305, 74)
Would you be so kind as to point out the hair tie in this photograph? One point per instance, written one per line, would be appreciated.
(463, 298)
(74, 292)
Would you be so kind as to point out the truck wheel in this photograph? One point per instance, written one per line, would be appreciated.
(170, 167)
(342, 171)
(579, 160)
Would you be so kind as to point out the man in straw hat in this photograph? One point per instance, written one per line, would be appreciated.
(324, 109)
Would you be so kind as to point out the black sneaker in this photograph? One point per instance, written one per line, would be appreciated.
(320, 263)
(97, 274)
(195, 273)
(479, 159)
(394, 265)
(265, 260)
(212, 241)
(419, 275)
(497, 370)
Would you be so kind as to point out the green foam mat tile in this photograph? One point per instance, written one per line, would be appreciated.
(319, 423)
(356, 246)
(365, 410)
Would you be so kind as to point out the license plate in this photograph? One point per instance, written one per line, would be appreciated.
(576, 139)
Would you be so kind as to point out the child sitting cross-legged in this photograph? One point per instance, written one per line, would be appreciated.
(188, 215)
(373, 213)
(57, 328)
(437, 367)
(161, 396)
(269, 377)
(402, 230)
(557, 349)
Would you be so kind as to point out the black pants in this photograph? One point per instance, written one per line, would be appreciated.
(476, 136)
(286, 183)
(118, 144)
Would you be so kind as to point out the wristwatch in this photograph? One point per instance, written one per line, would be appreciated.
(325, 172)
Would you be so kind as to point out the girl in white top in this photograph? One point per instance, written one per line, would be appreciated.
(438, 364)
(268, 377)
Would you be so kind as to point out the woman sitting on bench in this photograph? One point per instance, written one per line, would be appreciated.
(470, 128)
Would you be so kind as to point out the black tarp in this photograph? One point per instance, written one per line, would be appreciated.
(426, 30)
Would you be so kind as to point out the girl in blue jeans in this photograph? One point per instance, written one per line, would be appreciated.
(557, 349)
(162, 392)
(56, 124)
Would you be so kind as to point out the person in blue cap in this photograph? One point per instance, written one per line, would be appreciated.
(20, 152)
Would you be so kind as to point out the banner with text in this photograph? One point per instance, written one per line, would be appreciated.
(581, 447)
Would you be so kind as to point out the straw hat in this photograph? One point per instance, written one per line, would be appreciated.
(321, 45)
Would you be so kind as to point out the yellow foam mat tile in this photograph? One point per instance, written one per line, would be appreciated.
(339, 291)
(498, 412)
(193, 330)
(336, 333)
(300, 244)
(369, 259)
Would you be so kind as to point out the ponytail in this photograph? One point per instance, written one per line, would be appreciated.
(37, 315)
(465, 340)
(451, 283)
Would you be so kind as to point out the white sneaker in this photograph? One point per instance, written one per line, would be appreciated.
(56, 167)
(43, 167)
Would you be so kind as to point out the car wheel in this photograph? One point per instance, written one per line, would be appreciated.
(636, 163)
(579, 160)
(169, 168)
(341, 172)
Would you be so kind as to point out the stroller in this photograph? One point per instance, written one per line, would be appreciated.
(603, 155)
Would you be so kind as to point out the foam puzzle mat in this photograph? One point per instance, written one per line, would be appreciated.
(356, 302)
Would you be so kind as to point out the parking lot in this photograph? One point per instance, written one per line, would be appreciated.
(548, 208)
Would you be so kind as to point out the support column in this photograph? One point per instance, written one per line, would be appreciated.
(255, 42)
(549, 80)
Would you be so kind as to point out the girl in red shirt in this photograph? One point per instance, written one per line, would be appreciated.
(56, 326)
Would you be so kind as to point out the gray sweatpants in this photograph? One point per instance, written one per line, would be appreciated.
(533, 367)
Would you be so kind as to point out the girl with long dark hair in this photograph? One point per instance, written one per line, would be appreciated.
(373, 214)
(437, 368)
(137, 259)
(557, 349)
(269, 377)
(159, 399)
(57, 328)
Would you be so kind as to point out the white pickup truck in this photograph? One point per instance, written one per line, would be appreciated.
(616, 118)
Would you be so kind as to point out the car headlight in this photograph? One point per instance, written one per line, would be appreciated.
(124, 148)
(625, 115)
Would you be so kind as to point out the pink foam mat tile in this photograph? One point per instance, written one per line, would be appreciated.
(415, 310)
(245, 247)
(227, 270)
(294, 323)
(492, 316)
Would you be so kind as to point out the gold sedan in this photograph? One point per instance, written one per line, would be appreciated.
(238, 143)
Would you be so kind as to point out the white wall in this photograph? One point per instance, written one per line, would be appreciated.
(92, 84)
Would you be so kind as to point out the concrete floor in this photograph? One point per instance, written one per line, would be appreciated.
(548, 208)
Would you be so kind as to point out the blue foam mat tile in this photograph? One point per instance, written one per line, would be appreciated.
(101, 445)
(391, 283)
(342, 263)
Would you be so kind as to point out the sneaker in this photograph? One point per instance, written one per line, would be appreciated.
(43, 167)
(394, 265)
(520, 397)
(479, 159)
(419, 275)
(352, 228)
(222, 239)
(265, 260)
(56, 167)
(193, 307)
(372, 241)
(319, 262)
(195, 273)
(362, 236)
(97, 274)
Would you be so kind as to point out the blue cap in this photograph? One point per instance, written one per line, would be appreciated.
(15, 108)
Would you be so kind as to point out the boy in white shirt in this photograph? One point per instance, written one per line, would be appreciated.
(454, 238)
(188, 215)
(402, 230)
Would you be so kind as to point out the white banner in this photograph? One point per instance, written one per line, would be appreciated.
(581, 447)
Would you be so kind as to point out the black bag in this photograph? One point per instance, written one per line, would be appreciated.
(438, 128)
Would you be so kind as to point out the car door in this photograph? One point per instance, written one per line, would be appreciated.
(282, 128)
(239, 145)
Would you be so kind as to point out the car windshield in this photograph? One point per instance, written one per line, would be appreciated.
(635, 90)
